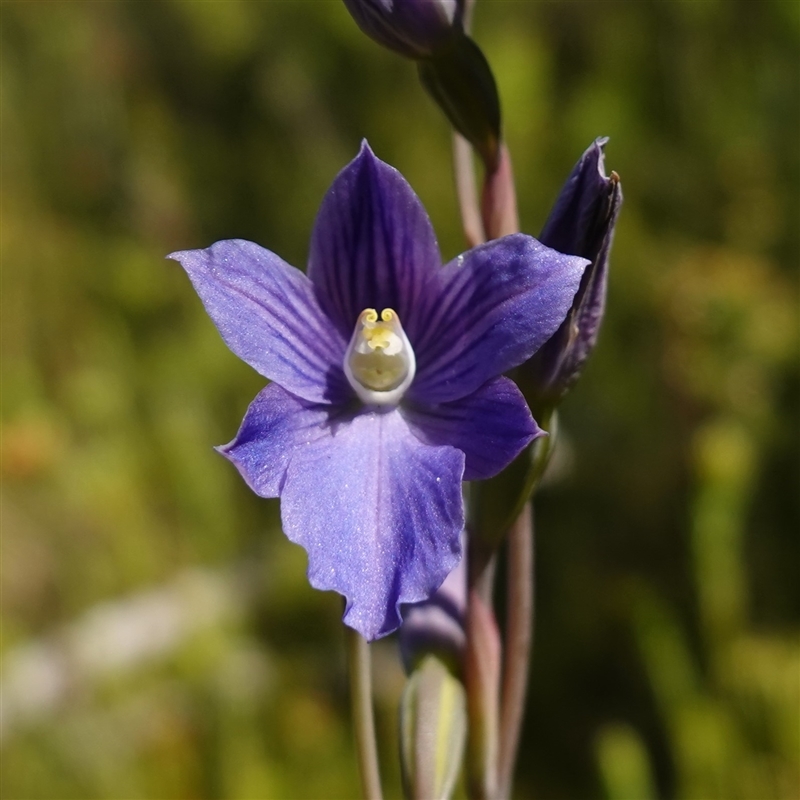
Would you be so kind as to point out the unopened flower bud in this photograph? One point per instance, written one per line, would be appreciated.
(458, 77)
(581, 224)
(452, 67)
(413, 28)
(433, 731)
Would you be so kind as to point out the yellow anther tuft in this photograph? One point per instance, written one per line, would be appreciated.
(379, 338)
(379, 362)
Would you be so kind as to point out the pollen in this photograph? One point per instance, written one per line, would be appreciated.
(379, 362)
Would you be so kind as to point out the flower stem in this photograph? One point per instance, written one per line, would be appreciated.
(542, 452)
(499, 198)
(358, 657)
(466, 191)
(464, 169)
(518, 641)
(482, 682)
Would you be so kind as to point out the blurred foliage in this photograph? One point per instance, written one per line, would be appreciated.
(667, 659)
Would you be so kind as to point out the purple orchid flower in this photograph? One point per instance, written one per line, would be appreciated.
(412, 28)
(581, 223)
(386, 388)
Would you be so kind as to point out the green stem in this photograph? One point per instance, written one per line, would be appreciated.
(360, 666)
(540, 458)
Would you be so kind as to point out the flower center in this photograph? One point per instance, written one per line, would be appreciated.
(379, 362)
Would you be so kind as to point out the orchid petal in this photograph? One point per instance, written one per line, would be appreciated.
(268, 315)
(379, 514)
(437, 625)
(373, 245)
(488, 311)
(275, 424)
(491, 427)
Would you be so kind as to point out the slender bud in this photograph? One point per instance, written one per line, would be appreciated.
(458, 77)
(581, 224)
(452, 67)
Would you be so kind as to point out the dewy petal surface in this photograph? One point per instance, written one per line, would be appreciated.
(488, 311)
(268, 314)
(372, 246)
(491, 426)
(275, 424)
(379, 513)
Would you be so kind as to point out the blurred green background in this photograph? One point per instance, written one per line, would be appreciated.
(159, 637)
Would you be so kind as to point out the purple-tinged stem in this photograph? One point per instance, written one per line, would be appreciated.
(482, 682)
(466, 191)
(518, 642)
(360, 668)
(499, 199)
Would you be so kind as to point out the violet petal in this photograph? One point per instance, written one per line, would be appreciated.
(268, 315)
(488, 311)
(275, 424)
(372, 246)
(379, 514)
(437, 625)
(491, 426)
